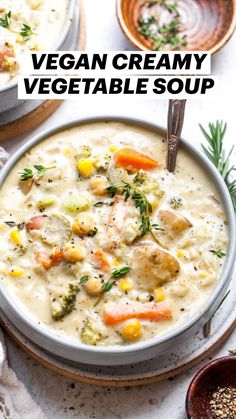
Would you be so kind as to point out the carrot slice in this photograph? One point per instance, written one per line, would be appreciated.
(44, 259)
(101, 260)
(115, 313)
(35, 223)
(133, 160)
(57, 256)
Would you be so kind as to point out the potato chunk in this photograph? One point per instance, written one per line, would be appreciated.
(154, 267)
(56, 230)
(177, 223)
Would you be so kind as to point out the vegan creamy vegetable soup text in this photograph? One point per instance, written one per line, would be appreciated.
(100, 244)
(27, 26)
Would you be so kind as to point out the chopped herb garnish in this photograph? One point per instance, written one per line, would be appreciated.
(157, 227)
(117, 273)
(232, 352)
(218, 156)
(217, 253)
(84, 279)
(94, 232)
(99, 204)
(26, 32)
(19, 226)
(166, 34)
(5, 21)
(27, 173)
(175, 202)
(107, 286)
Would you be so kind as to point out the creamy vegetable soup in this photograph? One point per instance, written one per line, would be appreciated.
(100, 244)
(27, 26)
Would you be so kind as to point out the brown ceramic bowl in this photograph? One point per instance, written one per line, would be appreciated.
(218, 373)
(207, 24)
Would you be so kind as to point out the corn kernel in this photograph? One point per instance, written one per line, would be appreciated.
(36, 47)
(20, 40)
(116, 263)
(126, 285)
(45, 203)
(74, 253)
(16, 237)
(132, 330)
(154, 204)
(67, 152)
(159, 294)
(16, 273)
(113, 148)
(180, 254)
(85, 167)
(203, 274)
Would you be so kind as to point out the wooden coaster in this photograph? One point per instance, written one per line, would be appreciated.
(183, 356)
(34, 118)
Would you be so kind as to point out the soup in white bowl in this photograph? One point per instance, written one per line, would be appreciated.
(27, 26)
(101, 244)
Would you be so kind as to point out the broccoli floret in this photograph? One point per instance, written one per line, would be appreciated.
(176, 202)
(140, 178)
(90, 335)
(66, 305)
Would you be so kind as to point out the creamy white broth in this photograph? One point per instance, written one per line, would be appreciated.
(46, 20)
(36, 290)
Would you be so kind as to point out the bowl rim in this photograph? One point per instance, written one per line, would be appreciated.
(213, 364)
(69, 344)
(56, 47)
(138, 44)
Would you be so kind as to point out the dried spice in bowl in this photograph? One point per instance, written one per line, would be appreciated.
(223, 403)
(160, 23)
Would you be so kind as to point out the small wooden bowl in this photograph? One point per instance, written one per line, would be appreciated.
(207, 24)
(218, 373)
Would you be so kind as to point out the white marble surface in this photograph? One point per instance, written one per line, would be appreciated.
(59, 397)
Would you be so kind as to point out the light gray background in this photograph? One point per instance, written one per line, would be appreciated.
(60, 397)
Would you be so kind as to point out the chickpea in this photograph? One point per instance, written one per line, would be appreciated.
(132, 330)
(98, 185)
(83, 225)
(74, 253)
(93, 286)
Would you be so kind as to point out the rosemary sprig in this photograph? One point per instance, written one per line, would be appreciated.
(5, 21)
(26, 32)
(218, 156)
(28, 173)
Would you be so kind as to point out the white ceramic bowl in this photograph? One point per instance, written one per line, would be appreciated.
(146, 349)
(8, 92)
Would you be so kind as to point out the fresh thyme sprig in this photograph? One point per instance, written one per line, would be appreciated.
(140, 202)
(26, 32)
(5, 21)
(28, 173)
(217, 253)
(107, 286)
(218, 156)
(20, 226)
